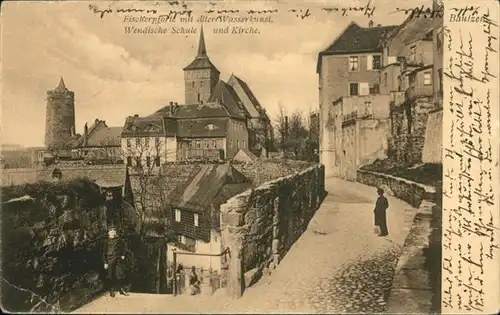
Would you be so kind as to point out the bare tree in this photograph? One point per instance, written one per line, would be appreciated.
(280, 126)
(144, 161)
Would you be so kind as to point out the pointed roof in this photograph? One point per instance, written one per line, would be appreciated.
(201, 61)
(61, 86)
(234, 80)
(228, 97)
(202, 50)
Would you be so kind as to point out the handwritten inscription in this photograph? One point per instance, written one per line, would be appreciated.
(470, 203)
(178, 8)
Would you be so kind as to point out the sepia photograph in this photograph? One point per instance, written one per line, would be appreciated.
(249, 157)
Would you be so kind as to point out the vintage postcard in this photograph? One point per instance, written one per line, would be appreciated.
(330, 156)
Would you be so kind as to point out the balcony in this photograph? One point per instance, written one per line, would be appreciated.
(373, 106)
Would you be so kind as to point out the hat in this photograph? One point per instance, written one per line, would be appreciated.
(111, 227)
(380, 190)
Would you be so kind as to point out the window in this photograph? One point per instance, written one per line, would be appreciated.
(210, 127)
(374, 89)
(138, 161)
(129, 161)
(243, 144)
(214, 144)
(157, 161)
(427, 78)
(353, 89)
(146, 142)
(353, 63)
(129, 144)
(198, 144)
(413, 53)
(137, 141)
(196, 219)
(183, 239)
(205, 144)
(237, 144)
(177, 215)
(157, 142)
(385, 79)
(192, 84)
(199, 97)
(230, 143)
(201, 83)
(376, 62)
(148, 161)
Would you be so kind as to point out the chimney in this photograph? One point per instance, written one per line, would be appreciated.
(171, 108)
(370, 24)
(85, 134)
(136, 115)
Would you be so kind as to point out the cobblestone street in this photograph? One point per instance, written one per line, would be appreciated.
(338, 265)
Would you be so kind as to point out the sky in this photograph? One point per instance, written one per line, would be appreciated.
(115, 75)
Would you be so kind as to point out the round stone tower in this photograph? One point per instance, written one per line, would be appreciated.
(60, 118)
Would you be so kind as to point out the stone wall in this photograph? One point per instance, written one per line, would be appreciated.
(20, 176)
(51, 245)
(409, 123)
(264, 170)
(411, 192)
(259, 226)
(433, 143)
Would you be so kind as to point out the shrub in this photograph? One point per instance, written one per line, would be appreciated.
(49, 241)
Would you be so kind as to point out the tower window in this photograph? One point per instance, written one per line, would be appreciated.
(199, 98)
(201, 83)
(193, 84)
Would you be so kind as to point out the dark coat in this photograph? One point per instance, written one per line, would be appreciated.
(380, 210)
(114, 255)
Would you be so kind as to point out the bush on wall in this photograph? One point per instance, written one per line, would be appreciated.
(51, 242)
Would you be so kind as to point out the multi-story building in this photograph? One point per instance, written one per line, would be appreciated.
(214, 122)
(148, 142)
(411, 97)
(349, 67)
(194, 210)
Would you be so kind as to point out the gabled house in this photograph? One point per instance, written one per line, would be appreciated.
(214, 121)
(348, 71)
(148, 142)
(259, 124)
(194, 209)
(411, 47)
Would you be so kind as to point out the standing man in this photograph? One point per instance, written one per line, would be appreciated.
(380, 212)
(114, 256)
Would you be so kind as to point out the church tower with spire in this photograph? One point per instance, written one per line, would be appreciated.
(200, 76)
(60, 116)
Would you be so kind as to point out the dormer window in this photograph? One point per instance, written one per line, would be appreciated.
(134, 128)
(210, 127)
